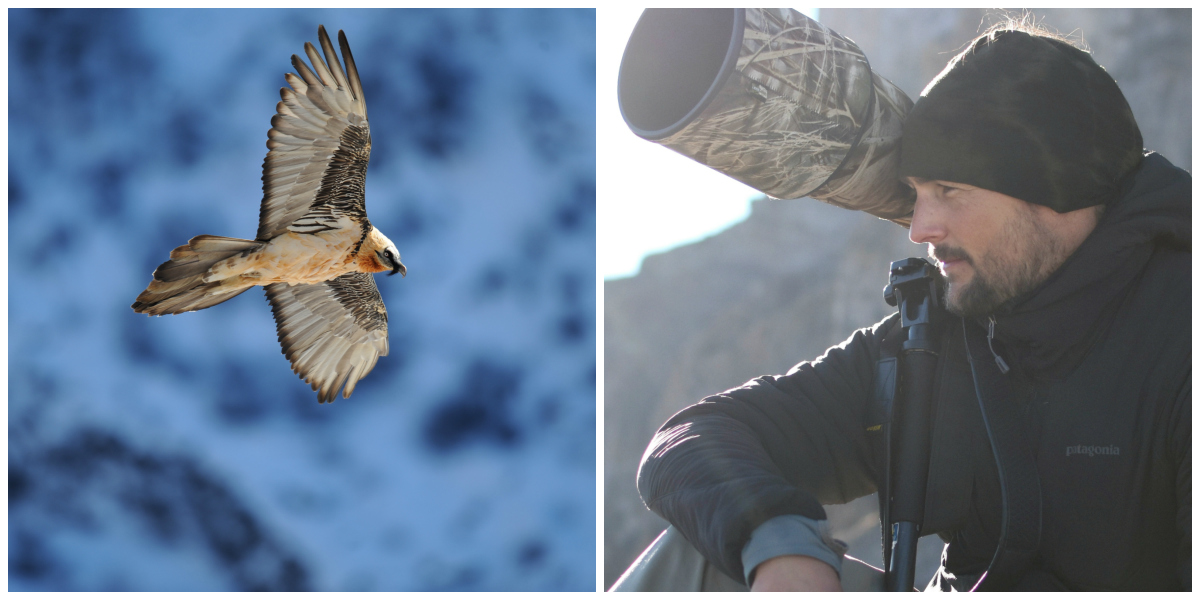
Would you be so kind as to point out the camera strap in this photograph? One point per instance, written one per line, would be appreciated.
(1020, 489)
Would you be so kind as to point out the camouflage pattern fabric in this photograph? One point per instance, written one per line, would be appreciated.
(803, 115)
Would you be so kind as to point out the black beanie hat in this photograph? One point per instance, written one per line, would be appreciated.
(1028, 116)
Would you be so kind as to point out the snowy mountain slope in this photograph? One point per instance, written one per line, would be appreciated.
(181, 453)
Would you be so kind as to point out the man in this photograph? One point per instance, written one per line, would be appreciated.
(1067, 253)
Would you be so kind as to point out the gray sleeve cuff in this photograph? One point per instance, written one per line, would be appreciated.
(792, 534)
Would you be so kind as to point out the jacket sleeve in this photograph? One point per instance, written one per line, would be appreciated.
(778, 445)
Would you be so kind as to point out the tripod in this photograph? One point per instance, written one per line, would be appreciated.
(915, 286)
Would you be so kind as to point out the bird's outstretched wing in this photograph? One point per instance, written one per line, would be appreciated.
(319, 146)
(332, 332)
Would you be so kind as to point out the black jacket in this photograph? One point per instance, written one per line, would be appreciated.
(1101, 368)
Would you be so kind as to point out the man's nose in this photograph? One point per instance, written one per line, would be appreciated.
(927, 226)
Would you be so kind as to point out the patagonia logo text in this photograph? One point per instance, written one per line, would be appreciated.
(1093, 450)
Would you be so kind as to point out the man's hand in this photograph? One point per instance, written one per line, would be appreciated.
(794, 573)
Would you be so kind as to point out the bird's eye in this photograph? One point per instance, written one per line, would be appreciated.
(388, 254)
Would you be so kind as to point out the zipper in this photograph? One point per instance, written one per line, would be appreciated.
(992, 333)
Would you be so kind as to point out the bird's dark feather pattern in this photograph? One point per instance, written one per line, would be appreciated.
(358, 293)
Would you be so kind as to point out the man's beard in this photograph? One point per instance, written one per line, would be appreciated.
(1022, 256)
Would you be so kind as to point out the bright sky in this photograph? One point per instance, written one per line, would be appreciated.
(650, 199)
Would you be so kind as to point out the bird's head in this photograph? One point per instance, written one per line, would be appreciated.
(383, 251)
(390, 257)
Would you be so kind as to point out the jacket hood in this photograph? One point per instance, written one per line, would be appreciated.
(1048, 331)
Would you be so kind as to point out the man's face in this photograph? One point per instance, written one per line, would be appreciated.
(991, 247)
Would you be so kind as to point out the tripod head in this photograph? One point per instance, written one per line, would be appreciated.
(916, 288)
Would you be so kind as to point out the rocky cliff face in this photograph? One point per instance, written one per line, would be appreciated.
(799, 276)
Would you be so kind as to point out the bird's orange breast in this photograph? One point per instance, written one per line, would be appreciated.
(369, 263)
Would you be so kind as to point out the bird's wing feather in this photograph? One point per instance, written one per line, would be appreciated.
(332, 332)
(319, 145)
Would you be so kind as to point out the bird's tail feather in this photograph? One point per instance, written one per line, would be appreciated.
(179, 285)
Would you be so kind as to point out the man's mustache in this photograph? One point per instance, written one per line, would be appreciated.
(949, 253)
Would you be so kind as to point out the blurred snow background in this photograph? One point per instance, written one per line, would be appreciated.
(181, 453)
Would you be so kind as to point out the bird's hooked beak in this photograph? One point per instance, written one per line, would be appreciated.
(399, 268)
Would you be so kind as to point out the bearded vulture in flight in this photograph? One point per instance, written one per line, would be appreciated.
(315, 250)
